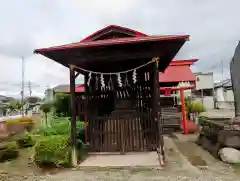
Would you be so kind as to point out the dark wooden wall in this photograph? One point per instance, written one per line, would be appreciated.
(119, 118)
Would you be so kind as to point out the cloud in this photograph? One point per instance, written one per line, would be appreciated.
(26, 25)
(16, 46)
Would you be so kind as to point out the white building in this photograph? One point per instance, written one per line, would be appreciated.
(3, 104)
(224, 94)
(51, 92)
(49, 95)
(205, 89)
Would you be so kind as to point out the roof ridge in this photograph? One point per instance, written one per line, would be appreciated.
(89, 37)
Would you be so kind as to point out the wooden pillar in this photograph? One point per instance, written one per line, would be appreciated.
(86, 88)
(156, 110)
(73, 118)
(184, 119)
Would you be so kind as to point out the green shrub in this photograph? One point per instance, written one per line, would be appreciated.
(9, 151)
(189, 106)
(34, 137)
(194, 107)
(25, 141)
(45, 131)
(46, 108)
(82, 150)
(201, 119)
(198, 107)
(52, 146)
(59, 127)
(52, 150)
(55, 150)
(64, 127)
(62, 104)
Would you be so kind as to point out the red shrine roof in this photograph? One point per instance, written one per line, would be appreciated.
(79, 88)
(128, 36)
(113, 42)
(111, 28)
(178, 71)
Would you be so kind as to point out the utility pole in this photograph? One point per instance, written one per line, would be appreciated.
(22, 93)
(222, 69)
(30, 88)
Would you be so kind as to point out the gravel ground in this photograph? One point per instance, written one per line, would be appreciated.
(140, 176)
(127, 175)
(178, 168)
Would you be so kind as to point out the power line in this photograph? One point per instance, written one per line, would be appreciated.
(17, 84)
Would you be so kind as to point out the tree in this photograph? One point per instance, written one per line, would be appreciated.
(62, 104)
(14, 105)
(32, 99)
(46, 108)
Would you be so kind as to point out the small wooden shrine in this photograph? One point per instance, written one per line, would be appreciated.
(121, 70)
(176, 77)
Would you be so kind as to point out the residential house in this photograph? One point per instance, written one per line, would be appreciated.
(224, 94)
(3, 110)
(3, 104)
(50, 93)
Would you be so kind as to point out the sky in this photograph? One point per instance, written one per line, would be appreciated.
(26, 25)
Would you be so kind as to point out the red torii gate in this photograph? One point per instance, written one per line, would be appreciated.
(183, 106)
(179, 71)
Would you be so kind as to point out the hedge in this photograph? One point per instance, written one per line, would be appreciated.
(52, 150)
(55, 151)
(8, 151)
(20, 120)
(51, 145)
(20, 124)
(60, 127)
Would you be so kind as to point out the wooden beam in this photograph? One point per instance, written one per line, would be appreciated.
(85, 108)
(156, 109)
(73, 118)
(77, 74)
(116, 56)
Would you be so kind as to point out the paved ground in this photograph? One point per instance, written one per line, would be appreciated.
(146, 159)
(185, 161)
(219, 113)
